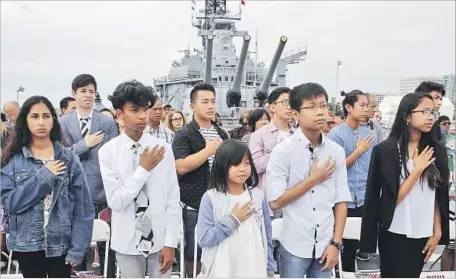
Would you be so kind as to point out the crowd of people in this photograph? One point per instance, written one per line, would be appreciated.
(152, 169)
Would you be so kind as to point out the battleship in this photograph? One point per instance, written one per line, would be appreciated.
(241, 82)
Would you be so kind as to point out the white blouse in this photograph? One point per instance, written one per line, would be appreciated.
(414, 216)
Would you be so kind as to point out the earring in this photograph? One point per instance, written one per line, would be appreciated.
(407, 123)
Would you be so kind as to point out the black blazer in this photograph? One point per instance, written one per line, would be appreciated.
(383, 183)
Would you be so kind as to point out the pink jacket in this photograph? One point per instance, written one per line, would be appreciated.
(261, 144)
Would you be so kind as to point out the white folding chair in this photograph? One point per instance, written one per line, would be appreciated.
(102, 233)
(195, 254)
(436, 259)
(352, 231)
(10, 263)
(181, 246)
(276, 228)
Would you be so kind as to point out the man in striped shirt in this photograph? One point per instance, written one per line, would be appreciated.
(156, 127)
(194, 149)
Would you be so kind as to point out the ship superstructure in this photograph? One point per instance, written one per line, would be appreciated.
(241, 82)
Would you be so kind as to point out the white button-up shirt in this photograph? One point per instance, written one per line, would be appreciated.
(308, 222)
(122, 183)
(89, 123)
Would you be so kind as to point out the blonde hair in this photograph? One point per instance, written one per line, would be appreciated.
(168, 121)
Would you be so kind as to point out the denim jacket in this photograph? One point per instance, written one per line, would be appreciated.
(25, 182)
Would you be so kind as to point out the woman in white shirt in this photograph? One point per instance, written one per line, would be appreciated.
(407, 196)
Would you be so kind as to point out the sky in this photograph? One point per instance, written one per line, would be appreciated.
(44, 45)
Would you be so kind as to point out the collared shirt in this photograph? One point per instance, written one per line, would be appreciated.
(161, 132)
(308, 222)
(89, 123)
(357, 173)
(376, 128)
(261, 144)
(123, 182)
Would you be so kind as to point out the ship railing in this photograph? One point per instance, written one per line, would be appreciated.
(167, 79)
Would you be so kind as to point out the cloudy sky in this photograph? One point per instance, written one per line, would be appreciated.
(44, 45)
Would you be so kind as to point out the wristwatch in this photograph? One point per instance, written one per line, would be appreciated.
(339, 245)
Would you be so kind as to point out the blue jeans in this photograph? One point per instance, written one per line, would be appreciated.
(292, 266)
(190, 218)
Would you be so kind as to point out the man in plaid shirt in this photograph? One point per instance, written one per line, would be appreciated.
(156, 127)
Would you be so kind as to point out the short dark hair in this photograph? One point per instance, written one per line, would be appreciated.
(443, 118)
(429, 86)
(65, 101)
(230, 153)
(200, 86)
(275, 94)
(257, 115)
(305, 91)
(134, 92)
(83, 80)
(350, 98)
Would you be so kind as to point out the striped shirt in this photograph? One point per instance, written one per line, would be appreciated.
(161, 132)
(212, 134)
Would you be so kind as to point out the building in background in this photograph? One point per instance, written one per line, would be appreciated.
(379, 97)
(408, 85)
(449, 81)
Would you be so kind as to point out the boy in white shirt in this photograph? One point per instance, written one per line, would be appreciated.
(140, 181)
(307, 178)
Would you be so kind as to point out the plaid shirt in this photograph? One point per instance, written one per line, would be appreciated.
(161, 132)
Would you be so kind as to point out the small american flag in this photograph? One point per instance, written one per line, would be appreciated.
(20, 89)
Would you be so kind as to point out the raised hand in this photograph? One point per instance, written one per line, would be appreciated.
(363, 144)
(151, 157)
(92, 140)
(56, 167)
(212, 145)
(424, 159)
(322, 173)
(243, 212)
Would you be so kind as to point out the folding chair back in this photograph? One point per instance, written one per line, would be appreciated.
(276, 228)
(352, 229)
(102, 233)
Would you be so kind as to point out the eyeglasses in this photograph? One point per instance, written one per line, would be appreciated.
(445, 123)
(177, 119)
(245, 124)
(428, 113)
(323, 107)
(284, 103)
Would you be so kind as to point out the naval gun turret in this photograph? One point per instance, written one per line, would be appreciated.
(263, 91)
(209, 50)
(233, 97)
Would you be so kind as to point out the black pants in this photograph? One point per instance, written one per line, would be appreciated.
(101, 251)
(36, 265)
(400, 257)
(350, 246)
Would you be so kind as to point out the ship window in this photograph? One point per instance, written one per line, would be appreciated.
(220, 78)
(226, 62)
(226, 78)
(232, 78)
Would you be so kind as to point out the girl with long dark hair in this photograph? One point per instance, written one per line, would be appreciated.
(406, 204)
(234, 227)
(44, 189)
